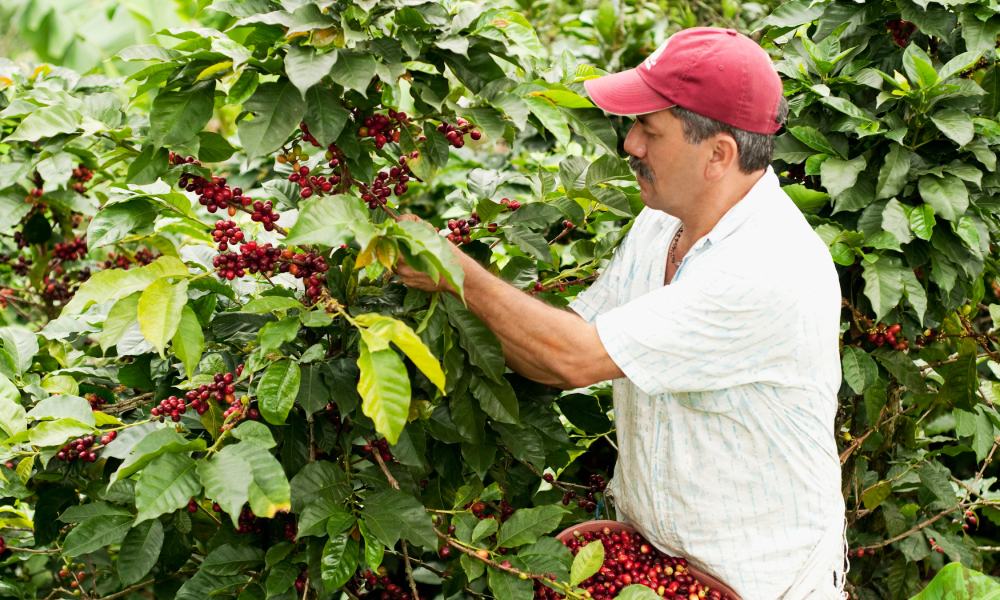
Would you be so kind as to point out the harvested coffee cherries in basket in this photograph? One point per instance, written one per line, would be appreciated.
(630, 559)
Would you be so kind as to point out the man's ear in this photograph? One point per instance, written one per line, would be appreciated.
(723, 156)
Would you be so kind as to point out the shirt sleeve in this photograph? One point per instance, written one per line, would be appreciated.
(704, 332)
(603, 294)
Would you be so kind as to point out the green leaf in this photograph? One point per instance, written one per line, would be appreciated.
(354, 70)
(45, 122)
(189, 341)
(339, 561)
(497, 399)
(326, 116)
(113, 284)
(812, 137)
(159, 311)
(840, 175)
(506, 586)
(860, 370)
(331, 221)
(116, 222)
(374, 550)
(96, 533)
(922, 221)
(20, 344)
(808, 200)
(390, 514)
(586, 562)
(478, 341)
(958, 582)
(269, 491)
(56, 433)
(13, 419)
(385, 390)
(894, 172)
(955, 124)
(225, 479)
(154, 444)
(305, 66)
(140, 550)
(230, 559)
(278, 109)
(527, 524)
(883, 283)
(166, 484)
(214, 148)
(876, 495)
(408, 341)
(637, 591)
(177, 116)
(896, 221)
(918, 66)
(255, 433)
(948, 195)
(427, 251)
(277, 390)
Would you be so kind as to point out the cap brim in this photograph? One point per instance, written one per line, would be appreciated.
(625, 93)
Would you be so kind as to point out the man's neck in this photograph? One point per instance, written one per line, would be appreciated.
(712, 206)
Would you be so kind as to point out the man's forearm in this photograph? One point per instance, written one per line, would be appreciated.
(534, 335)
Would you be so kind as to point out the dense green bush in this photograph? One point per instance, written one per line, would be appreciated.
(335, 422)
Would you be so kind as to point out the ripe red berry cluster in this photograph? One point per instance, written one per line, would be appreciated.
(383, 128)
(307, 136)
(882, 334)
(263, 213)
(108, 437)
(96, 402)
(81, 175)
(307, 266)
(381, 446)
(971, 521)
(222, 389)
(80, 448)
(461, 228)
(934, 546)
(72, 250)
(248, 522)
(300, 581)
(228, 265)
(56, 290)
(390, 589)
(74, 579)
(901, 31)
(176, 159)
(21, 266)
(511, 205)
(310, 184)
(394, 181)
(225, 233)
(214, 194)
(455, 134)
(172, 407)
(630, 559)
(143, 256)
(259, 258)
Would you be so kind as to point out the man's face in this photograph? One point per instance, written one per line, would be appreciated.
(666, 165)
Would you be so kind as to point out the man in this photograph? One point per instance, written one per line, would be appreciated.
(717, 319)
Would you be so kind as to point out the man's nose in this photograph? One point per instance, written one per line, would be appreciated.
(633, 145)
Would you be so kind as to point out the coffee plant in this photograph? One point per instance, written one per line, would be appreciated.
(212, 385)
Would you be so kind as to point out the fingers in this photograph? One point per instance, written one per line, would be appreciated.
(410, 217)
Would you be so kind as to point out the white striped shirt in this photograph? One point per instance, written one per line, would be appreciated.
(725, 418)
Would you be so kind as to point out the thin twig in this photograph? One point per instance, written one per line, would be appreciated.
(127, 405)
(128, 590)
(913, 529)
(406, 554)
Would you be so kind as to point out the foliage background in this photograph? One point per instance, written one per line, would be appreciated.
(890, 150)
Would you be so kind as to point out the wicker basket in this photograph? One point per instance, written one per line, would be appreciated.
(593, 526)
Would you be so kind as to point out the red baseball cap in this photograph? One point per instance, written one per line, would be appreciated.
(717, 73)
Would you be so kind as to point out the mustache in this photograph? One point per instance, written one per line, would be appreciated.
(640, 168)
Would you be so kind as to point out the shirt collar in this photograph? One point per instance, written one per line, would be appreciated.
(738, 214)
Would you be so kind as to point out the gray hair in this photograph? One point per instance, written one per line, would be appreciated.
(754, 149)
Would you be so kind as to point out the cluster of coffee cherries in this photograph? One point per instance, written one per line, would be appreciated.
(215, 194)
(225, 233)
(455, 134)
(307, 266)
(222, 389)
(259, 258)
(390, 590)
(81, 448)
(381, 446)
(901, 31)
(73, 579)
(172, 407)
(630, 559)
(21, 266)
(248, 522)
(934, 545)
(142, 257)
(883, 334)
(310, 184)
(459, 229)
(96, 402)
(511, 205)
(81, 175)
(971, 521)
(482, 510)
(588, 500)
(382, 128)
(57, 290)
(239, 409)
(72, 250)
(394, 181)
